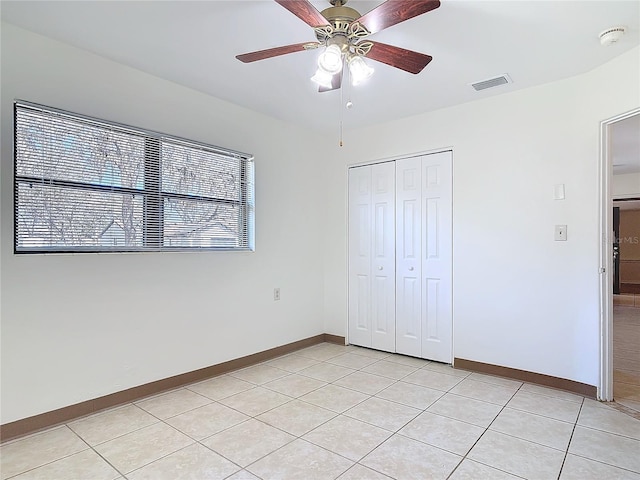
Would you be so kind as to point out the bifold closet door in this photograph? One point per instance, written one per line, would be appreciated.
(424, 256)
(437, 257)
(372, 256)
(408, 256)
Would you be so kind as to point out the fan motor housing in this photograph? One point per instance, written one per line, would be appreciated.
(341, 14)
(343, 23)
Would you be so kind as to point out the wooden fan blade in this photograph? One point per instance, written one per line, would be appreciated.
(305, 12)
(407, 60)
(275, 52)
(395, 11)
(336, 82)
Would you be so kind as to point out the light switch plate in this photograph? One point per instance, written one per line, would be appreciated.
(560, 233)
(558, 191)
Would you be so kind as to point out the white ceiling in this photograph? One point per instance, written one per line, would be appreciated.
(194, 43)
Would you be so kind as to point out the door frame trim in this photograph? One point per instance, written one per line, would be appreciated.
(393, 158)
(605, 216)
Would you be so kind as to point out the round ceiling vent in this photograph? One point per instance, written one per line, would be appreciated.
(611, 35)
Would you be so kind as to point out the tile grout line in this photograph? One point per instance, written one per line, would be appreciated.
(137, 430)
(364, 466)
(45, 464)
(230, 460)
(212, 401)
(542, 415)
(618, 467)
(296, 437)
(195, 441)
(620, 407)
(369, 396)
(464, 457)
(160, 420)
(295, 398)
(609, 433)
(181, 413)
(396, 380)
(337, 415)
(96, 452)
(566, 453)
(397, 432)
(89, 447)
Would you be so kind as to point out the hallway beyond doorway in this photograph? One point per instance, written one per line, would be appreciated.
(626, 355)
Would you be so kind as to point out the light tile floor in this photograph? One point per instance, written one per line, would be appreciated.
(348, 413)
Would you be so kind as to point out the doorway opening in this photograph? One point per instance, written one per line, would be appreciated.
(619, 186)
(626, 297)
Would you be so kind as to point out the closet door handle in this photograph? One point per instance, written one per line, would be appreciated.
(380, 267)
(411, 269)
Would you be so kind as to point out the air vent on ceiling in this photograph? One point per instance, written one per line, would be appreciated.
(492, 82)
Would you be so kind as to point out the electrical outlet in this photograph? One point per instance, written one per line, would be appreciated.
(276, 294)
(561, 233)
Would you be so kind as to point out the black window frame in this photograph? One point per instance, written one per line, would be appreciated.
(153, 239)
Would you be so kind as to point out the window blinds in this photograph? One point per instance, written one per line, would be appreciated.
(83, 184)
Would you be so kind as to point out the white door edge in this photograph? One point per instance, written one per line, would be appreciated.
(605, 381)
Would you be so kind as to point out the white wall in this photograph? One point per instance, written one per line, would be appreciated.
(625, 185)
(76, 327)
(521, 300)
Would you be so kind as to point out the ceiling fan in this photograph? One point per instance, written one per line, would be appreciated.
(342, 31)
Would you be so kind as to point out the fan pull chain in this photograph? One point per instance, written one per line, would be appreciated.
(343, 105)
(341, 112)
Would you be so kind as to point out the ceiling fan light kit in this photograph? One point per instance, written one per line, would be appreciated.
(358, 69)
(342, 30)
(322, 78)
(331, 59)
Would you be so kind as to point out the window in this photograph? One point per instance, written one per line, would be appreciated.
(87, 185)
